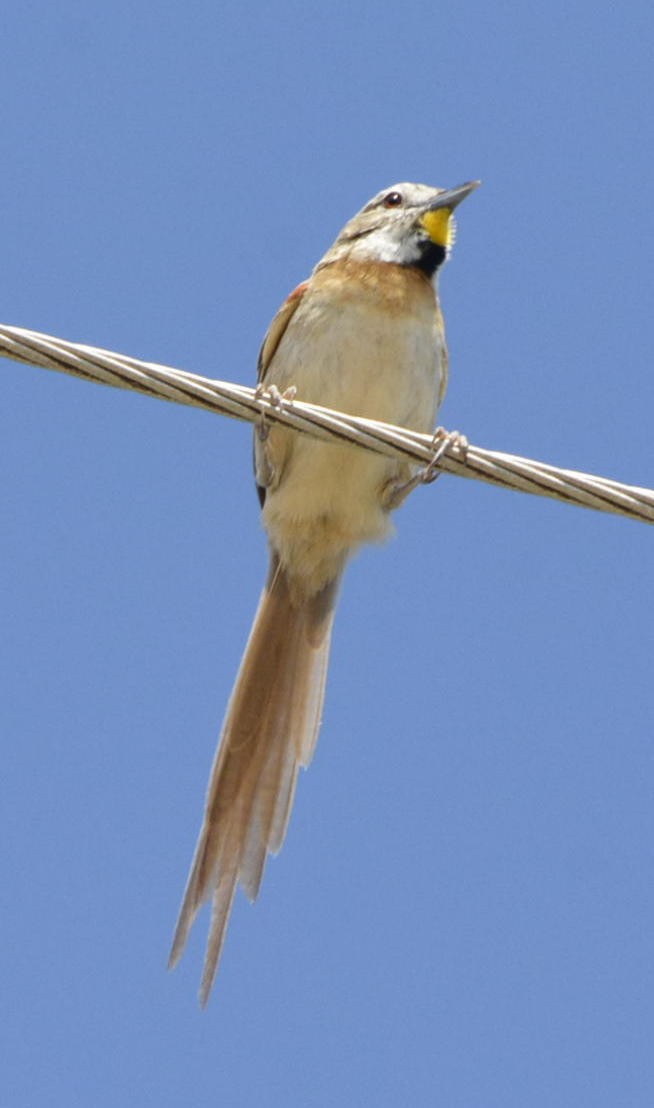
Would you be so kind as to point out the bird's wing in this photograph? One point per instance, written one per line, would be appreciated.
(277, 328)
(270, 344)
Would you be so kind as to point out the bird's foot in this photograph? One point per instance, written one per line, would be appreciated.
(397, 491)
(276, 399)
(443, 440)
(265, 470)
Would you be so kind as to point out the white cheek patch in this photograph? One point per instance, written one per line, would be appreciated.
(384, 247)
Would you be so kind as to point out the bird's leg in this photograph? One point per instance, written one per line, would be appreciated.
(396, 492)
(276, 399)
(266, 471)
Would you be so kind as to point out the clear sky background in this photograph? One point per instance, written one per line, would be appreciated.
(463, 912)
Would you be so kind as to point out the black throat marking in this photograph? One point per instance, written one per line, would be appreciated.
(431, 257)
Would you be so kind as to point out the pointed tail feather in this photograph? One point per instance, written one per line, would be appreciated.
(269, 732)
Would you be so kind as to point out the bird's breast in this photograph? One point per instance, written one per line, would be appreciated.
(370, 344)
(369, 351)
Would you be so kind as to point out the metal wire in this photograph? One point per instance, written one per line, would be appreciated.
(240, 402)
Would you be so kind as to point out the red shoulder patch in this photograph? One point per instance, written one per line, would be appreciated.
(298, 292)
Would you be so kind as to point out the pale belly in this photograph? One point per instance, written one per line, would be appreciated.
(329, 499)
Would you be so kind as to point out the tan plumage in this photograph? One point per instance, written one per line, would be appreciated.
(269, 732)
(363, 335)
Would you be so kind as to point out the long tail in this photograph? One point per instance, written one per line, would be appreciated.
(269, 732)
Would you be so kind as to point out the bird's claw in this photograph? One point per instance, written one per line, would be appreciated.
(276, 399)
(442, 440)
(396, 492)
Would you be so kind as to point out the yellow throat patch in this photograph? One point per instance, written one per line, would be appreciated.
(439, 225)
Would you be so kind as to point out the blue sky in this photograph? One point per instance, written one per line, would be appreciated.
(463, 911)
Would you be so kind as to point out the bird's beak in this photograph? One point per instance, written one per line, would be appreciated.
(450, 198)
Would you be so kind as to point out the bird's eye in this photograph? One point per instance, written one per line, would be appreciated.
(393, 200)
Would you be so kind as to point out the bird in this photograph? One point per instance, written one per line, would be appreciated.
(363, 335)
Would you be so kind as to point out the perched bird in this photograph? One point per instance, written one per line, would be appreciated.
(363, 335)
